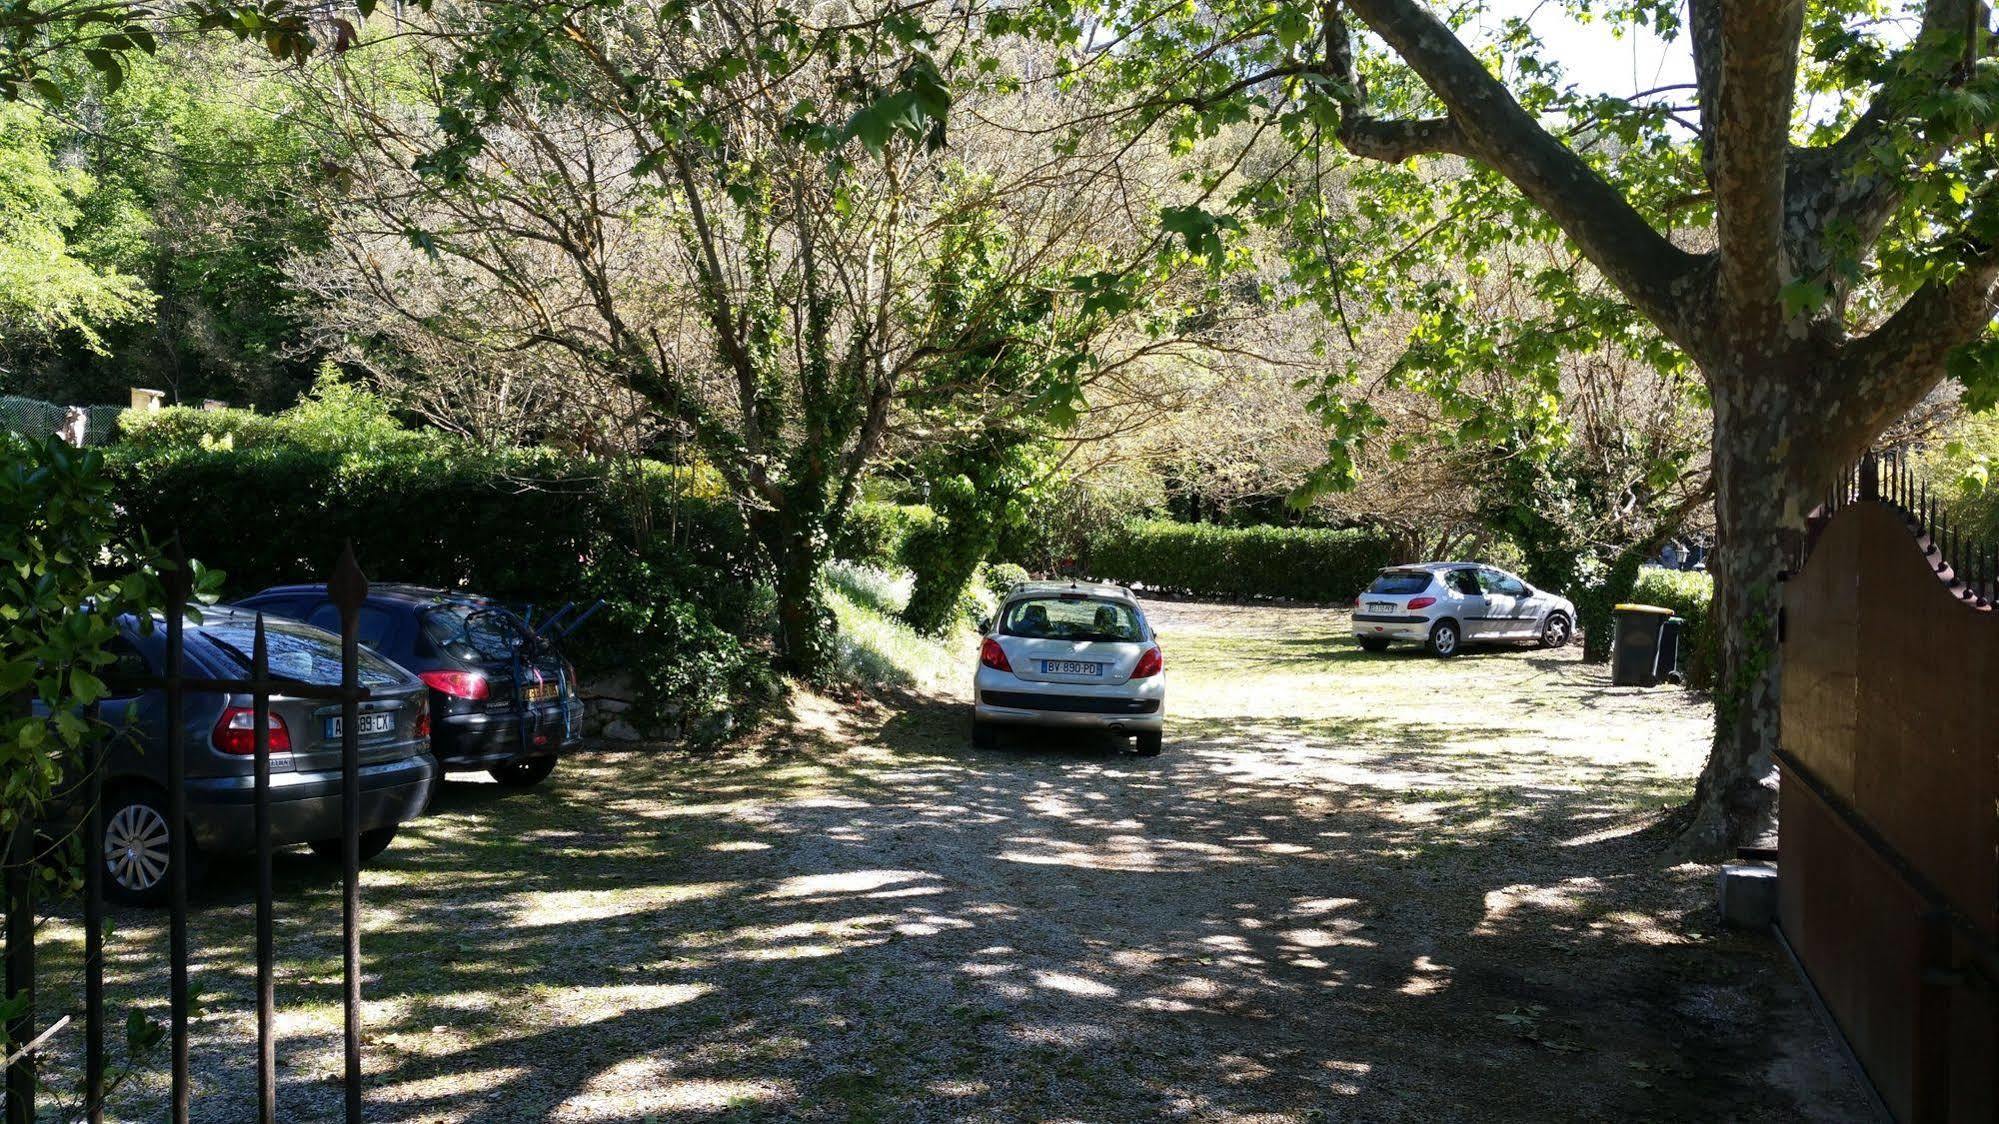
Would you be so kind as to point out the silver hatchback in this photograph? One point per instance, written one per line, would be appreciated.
(1441, 605)
(1070, 654)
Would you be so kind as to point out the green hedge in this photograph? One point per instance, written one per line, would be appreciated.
(1300, 564)
(272, 501)
(877, 533)
(1689, 593)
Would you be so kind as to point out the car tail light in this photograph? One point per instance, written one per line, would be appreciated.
(1421, 602)
(1149, 664)
(457, 684)
(236, 732)
(993, 656)
(423, 718)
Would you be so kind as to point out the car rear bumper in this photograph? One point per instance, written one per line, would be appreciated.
(1134, 706)
(1383, 626)
(486, 738)
(306, 806)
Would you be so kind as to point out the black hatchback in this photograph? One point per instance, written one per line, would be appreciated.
(500, 700)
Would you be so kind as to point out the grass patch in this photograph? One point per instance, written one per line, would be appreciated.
(876, 648)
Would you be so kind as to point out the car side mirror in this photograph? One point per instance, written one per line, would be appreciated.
(985, 625)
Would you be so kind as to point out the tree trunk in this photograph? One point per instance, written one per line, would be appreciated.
(1755, 521)
(804, 626)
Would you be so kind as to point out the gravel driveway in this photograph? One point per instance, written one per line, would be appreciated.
(1355, 887)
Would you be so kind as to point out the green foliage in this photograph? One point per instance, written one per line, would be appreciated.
(682, 636)
(1001, 577)
(875, 647)
(1300, 564)
(1960, 469)
(1689, 593)
(877, 533)
(53, 282)
(205, 171)
(51, 52)
(687, 612)
(68, 576)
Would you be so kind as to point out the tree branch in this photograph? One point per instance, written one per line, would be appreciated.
(1833, 186)
(1750, 123)
(1658, 276)
(1889, 370)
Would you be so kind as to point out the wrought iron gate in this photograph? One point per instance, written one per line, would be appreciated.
(347, 587)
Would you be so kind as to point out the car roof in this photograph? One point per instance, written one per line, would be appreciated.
(1434, 567)
(381, 591)
(1087, 589)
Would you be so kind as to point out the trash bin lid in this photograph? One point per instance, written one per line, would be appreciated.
(1653, 609)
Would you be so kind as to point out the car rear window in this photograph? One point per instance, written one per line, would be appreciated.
(1070, 618)
(299, 652)
(473, 631)
(1400, 581)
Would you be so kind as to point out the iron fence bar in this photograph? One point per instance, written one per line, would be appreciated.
(93, 936)
(267, 1057)
(177, 588)
(21, 970)
(348, 589)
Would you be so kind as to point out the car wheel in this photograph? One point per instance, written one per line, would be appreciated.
(1373, 644)
(984, 735)
(523, 772)
(1150, 742)
(1444, 639)
(1555, 634)
(373, 842)
(138, 847)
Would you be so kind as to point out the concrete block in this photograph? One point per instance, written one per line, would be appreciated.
(1747, 895)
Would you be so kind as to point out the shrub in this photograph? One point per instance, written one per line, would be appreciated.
(1001, 577)
(1296, 563)
(1688, 593)
(273, 501)
(877, 534)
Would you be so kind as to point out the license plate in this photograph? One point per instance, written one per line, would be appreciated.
(1070, 667)
(541, 692)
(365, 725)
(1382, 606)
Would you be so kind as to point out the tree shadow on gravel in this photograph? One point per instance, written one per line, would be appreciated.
(1347, 918)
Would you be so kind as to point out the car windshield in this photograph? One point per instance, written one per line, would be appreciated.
(1400, 581)
(298, 652)
(1070, 618)
(473, 631)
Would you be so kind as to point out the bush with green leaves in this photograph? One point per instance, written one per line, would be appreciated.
(1689, 593)
(1001, 577)
(1298, 564)
(68, 576)
(277, 497)
(877, 533)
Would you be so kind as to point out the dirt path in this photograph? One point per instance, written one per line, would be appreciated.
(1354, 888)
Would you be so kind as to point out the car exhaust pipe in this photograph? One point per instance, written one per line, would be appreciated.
(1117, 727)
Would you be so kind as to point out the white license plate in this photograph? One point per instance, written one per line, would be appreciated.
(1070, 667)
(366, 724)
(1382, 606)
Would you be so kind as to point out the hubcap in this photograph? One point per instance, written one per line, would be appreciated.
(1447, 639)
(1558, 632)
(136, 847)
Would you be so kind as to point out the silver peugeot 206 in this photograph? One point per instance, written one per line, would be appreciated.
(1442, 605)
(1072, 654)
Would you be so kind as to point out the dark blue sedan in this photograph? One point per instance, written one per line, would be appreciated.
(500, 700)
